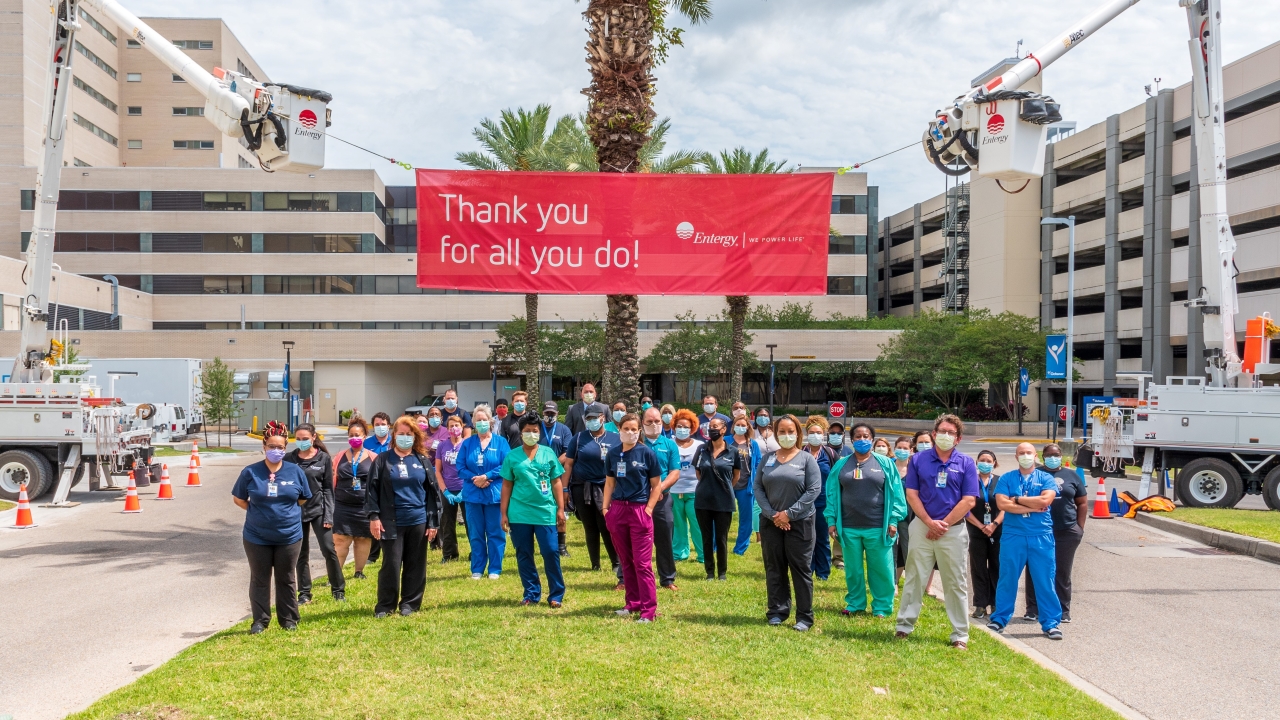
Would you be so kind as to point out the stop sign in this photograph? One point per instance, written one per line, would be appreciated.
(836, 409)
(1062, 413)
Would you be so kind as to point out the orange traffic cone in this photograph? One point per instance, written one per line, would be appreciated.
(131, 502)
(23, 520)
(195, 452)
(193, 473)
(166, 490)
(1100, 506)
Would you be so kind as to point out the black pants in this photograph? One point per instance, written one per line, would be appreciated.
(984, 564)
(283, 561)
(324, 538)
(715, 533)
(663, 555)
(594, 528)
(404, 570)
(788, 551)
(1065, 544)
(448, 535)
(375, 550)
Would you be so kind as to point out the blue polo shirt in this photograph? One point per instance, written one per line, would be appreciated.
(641, 464)
(667, 453)
(272, 519)
(1014, 484)
(409, 482)
(473, 460)
(941, 485)
(556, 437)
(704, 421)
(588, 455)
(376, 446)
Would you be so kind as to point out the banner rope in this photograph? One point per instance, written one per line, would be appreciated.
(855, 166)
(391, 160)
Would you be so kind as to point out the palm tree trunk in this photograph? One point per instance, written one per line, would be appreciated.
(619, 117)
(532, 359)
(738, 306)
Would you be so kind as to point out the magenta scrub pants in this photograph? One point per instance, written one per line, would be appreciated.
(632, 531)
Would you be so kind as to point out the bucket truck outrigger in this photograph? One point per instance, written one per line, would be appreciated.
(1219, 429)
(67, 429)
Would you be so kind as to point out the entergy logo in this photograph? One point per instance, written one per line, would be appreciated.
(995, 124)
(684, 230)
(307, 118)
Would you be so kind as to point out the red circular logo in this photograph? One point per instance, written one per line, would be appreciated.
(995, 124)
(308, 118)
(836, 410)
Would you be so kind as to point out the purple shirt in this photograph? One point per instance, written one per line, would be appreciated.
(435, 438)
(447, 454)
(923, 472)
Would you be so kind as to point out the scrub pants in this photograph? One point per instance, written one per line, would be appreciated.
(1035, 553)
(715, 534)
(448, 536)
(403, 575)
(950, 554)
(663, 555)
(746, 509)
(594, 526)
(324, 538)
(879, 570)
(788, 552)
(821, 550)
(283, 561)
(984, 564)
(488, 541)
(1065, 544)
(686, 526)
(522, 536)
(632, 532)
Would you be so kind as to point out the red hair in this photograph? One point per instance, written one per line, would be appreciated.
(683, 414)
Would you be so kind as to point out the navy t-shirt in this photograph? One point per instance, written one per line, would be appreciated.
(408, 478)
(641, 464)
(588, 455)
(465, 416)
(272, 519)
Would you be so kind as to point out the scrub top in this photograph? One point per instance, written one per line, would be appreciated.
(447, 453)
(639, 464)
(715, 478)
(862, 494)
(274, 516)
(532, 499)
(1070, 486)
(1014, 484)
(688, 481)
(408, 481)
(668, 454)
(474, 460)
(588, 454)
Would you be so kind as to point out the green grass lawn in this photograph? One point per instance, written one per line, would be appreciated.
(1262, 524)
(166, 451)
(5, 505)
(474, 652)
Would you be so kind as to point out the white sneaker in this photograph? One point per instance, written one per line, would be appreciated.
(476, 576)
(494, 576)
(622, 613)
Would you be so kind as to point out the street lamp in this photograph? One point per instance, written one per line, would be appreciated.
(771, 347)
(288, 357)
(493, 372)
(1070, 222)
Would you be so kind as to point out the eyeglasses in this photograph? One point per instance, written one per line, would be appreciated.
(654, 423)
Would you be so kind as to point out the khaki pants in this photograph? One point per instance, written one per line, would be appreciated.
(951, 553)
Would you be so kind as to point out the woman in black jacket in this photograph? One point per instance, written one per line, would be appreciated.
(313, 457)
(404, 513)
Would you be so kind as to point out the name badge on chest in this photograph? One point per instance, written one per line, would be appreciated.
(273, 490)
(604, 451)
(771, 461)
(942, 478)
(404, 471)
(622, 468)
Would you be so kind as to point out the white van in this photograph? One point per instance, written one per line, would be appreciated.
(168, 422)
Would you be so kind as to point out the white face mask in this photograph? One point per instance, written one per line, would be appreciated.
(787, 441)
(945, 441)
(708, 408)
(530, 438)
(739, 413)
(1027, 461)
(629, 436)
(815, 439)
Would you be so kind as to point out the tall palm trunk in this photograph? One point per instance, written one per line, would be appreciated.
(619, 118)
(738, 306)
(532, 359)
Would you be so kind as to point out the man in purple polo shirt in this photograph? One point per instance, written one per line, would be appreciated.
(942, 486)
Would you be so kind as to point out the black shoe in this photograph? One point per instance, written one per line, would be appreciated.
(256, 628)
(564, 552)
(995, 627)
(711, 577)
(1053, 634)
(1066, 617)
(720, 578)
(595, 568)
(380, 615)
(339, 596)
(406, 611)
(290, 627)
(1029, 617)
(359, 575)
(304, 599)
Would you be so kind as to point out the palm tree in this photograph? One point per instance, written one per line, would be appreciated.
(625, 39)
(740, 161)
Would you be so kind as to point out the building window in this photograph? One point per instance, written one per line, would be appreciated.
(194, 44)
(848, 204)
(226, 201)
(131, 44)
(244, 69)
(177, 78)
(847, 245)
(312, 202)
(847, 285)
(135, 110)
(402, 216)
(106, 101)
(79, 163)
(98, 200)
(189, 111)
(133, 77)
(311, 284)
(96, 242)
(93, 23)
(245, 164)
(102, 65)
(135, 144)
(28, 199)
(301, 243)
(95, 129)
(192, 144)
(226, 243)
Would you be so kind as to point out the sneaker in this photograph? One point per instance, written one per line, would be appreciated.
(1029, 617)
(564, 552)
(644, 620)
(720, 578)
(801, 627)
(1051, 633)
(711, 577)
(406, 611)
(839, 565)
(527, 602)
(900, 635)
(359, 575)
(494, 576)
(304, 599)
(881, 616)
(995, 627)
(380, 615)
(595, 568)
(1066, 617)
(851, 613)
(979, 613)
(256, 628)
(960, 645)
(622, 613)
(477, 576)
(340, 596)
(775, 621)
(555, 604)
(290, 627)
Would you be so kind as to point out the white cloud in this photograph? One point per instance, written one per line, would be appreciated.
(818, 82)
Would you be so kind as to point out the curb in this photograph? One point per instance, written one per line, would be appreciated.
(1229, 541)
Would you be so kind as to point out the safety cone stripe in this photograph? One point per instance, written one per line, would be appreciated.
(166, 489)
(193, 476)
(23, 520)
(1100, 509)
(131, 502)
(195, 453)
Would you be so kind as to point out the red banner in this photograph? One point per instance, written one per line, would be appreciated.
(638, 234)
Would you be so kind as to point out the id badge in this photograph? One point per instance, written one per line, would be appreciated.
(857, 472)
(480, 460)
(404, 471)
(942, 478)
(543, 486)
(986, 518)
(604, 452)
(622, 468)
(771, 461)
(435, 444)
(273, 490)
(355, 482)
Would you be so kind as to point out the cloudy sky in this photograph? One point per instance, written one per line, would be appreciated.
(818, 82)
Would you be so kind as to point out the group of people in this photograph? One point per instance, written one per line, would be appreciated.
(657, 487)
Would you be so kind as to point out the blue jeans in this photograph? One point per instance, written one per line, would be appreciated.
(522, 537)
(488, 542)
(1036, 554)
(746, 509)
(821, 550)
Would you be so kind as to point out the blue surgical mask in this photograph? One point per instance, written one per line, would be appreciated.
(666, 418)
(835, 439)
(739, 429)
(762, 420)
(275, 455)
(304, 445)
(482, 426)
(921, 447)
(451, 404)
(381, 430)
(594, 424)
(708, 408)
(1053, 462)
(645, 406)
(404, 442)
(618, 415)
(862, 446)
(985, 467)
(901, 453)
(434, 422)
(682, 433)
(519, 407)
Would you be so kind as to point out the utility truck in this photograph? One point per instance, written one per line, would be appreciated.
(71, 430)
(1220, 429)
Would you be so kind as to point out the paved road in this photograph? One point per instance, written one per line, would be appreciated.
(101, 597)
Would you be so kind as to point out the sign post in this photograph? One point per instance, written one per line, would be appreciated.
(836, 410)
(1024, 381)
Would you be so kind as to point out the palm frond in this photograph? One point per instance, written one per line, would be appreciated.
(741, 161)
(698, 11)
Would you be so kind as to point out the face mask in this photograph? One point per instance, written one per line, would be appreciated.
(652, 431)
(550, 419)
(921, 447)
(901, 453)
(787, 441)
(739, 412)
(502, 411)
(482, 426)
(861, 446)
(739, 429)
(985, 467)
(708, 408)
(666, 418)
(814, 439)
(836, 439)
(682, 433)
(882, 451)
(422, 427)
(618, 414)
(381, 430)
(451, 404)
(519, 407)
(455, 431)
(645, 406)
(355, 442)
(1027, 461)
(588, 397)
(945, 442)
(434, 422)
(275, 455)
(529, 438)
(304, 445)
(1053, 462)
(762, 420)
(714, 434)
(630, 437)
(594, 424)
(404, 442)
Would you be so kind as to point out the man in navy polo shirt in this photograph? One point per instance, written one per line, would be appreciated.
(710, 411)
(941, 486)
(451, 408)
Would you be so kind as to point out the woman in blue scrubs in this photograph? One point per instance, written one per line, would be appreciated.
(479, 465)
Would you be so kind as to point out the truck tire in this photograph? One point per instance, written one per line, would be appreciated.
(19, 466)
(1271, 489)
(1209, 482)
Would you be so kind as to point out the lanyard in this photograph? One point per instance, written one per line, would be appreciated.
(355, 462)
(986, 489)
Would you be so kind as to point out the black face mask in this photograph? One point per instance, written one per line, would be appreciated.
(713, 433)
(550, 419)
